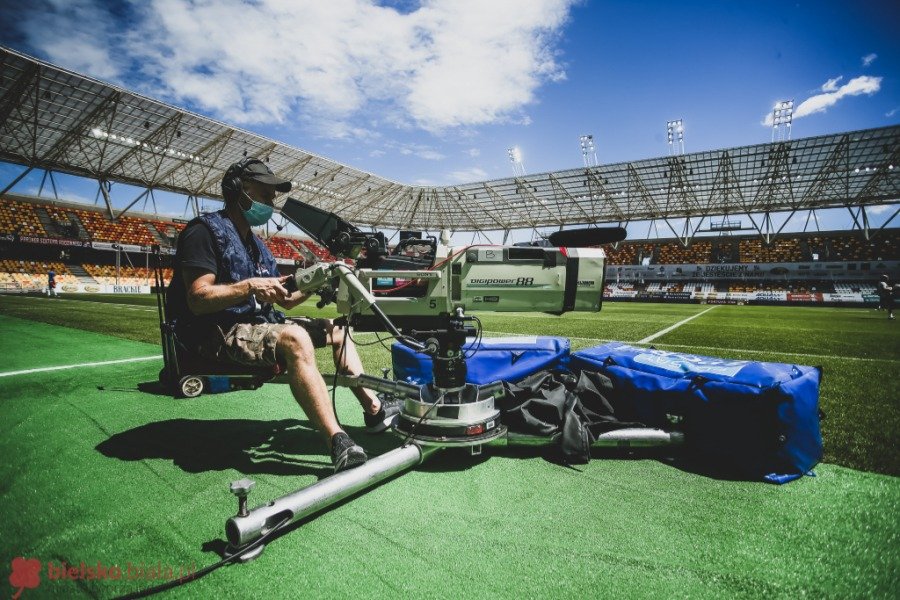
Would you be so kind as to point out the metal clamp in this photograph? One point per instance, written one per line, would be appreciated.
(241, 488)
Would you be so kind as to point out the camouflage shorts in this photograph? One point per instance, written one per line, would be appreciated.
(253, 344)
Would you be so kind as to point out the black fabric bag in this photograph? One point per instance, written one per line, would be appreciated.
(572, 410)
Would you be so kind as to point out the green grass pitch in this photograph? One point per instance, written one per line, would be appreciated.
(124, 474)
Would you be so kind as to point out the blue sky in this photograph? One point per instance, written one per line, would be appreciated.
(435, 92)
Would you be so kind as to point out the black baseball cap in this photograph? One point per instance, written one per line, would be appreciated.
(256, 170)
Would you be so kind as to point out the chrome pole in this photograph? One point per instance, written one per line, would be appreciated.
(618, 438)
(242, 530)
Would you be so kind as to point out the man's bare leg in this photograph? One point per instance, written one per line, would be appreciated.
(307, 385)
(347, 361)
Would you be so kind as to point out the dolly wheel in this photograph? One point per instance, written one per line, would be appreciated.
(191, 386)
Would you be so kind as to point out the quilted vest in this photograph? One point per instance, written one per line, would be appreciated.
(236, 264)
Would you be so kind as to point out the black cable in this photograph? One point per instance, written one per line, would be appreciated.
(476, 344)
(334, 380)
(206, 570)
(362, 345)
(412, 429)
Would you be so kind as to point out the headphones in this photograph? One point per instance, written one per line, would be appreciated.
(231, 182)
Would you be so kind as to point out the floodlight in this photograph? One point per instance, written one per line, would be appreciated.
(675, 136)
(782, 116)
(515, 157)
(587, 150)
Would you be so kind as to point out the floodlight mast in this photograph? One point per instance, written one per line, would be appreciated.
(675, 136)
(782, 116)
(515, 157)
(587, 150)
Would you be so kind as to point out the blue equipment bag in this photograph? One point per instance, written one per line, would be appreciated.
(753, 419)
(494, 359)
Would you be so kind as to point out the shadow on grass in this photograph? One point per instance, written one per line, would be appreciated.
(154, 387)
(284, 447)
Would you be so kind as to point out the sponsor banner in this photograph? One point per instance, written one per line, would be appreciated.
(842, 297)
(33, 239)
(619, 294)
(850, 270)
(724, 271)
(81, 288)
(720, 301)
(771, 296)
(804, 297)
(96, 288)
(126, 289)
(284, 261)
(114, 246)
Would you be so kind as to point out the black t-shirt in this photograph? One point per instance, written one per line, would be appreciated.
(196, 250)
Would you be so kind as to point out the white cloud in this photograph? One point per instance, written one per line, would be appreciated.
(377, 153)
(430, 155)
(878, 209)
(831, 84)
(411, 149)
(868, 59)
(467, 175)
(821, 102)
(892, 112)
(86, 44)
(473, 152)
(271, 61)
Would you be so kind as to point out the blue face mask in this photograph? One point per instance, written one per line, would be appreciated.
(258, 213)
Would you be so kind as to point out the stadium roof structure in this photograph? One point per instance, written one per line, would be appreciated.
(58, 120)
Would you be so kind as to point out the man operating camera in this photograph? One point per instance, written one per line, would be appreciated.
(222, 298)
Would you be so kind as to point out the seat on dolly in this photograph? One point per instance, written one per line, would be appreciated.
(186, 374)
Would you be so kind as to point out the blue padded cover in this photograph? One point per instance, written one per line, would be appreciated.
(495, 359)
(757, 419)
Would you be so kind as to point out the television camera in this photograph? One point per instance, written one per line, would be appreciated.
(422, 301)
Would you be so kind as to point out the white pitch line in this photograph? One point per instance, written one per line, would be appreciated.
(80, 365)
(570, 337)
(779, 352)
(737, 350)
(652, 337)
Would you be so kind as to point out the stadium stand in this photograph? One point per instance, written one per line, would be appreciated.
(22, 218)
(53, 230)
(106, 274)
(19, 218)
(41, 231)
(125, 230)
(282, 248)
(30, 274)
(698, 252)
(780, 250)
(825, 246)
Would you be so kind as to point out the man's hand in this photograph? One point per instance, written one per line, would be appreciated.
(269, 289)
(292, 300)
(205, 296)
